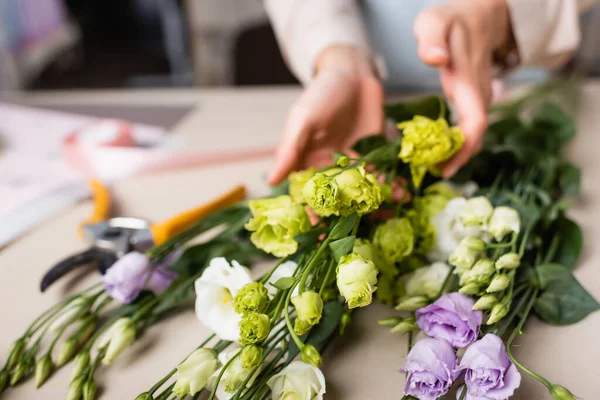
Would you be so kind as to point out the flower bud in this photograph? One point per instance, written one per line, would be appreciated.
(413, 303)
(16, 353)
(481, 273)
(301, 327)
(251, 356)
(470, 289)
(561, 393)
(43, 369)
(504, 220)
(477, 211)
(473, 243)
(67, 351)
(508, 261)
(499, 311)
(405, 326)
(254, 328)
(469, 250)
(392, 321)
(192, 374)
(144, 396)
(70, 313)
(311, 356)
(395, 238)
(309, 307)
(86, 328)
(252, 297)
(123, 336)
(4, 376)
(89, 390)
(356, 280)
(82, 360)
(75, 391)
(485, 302)
(343, 162)
(345, 321)
(19, 372)
(498, 284)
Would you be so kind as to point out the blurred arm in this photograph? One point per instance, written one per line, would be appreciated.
(304, 28)
(547, 32)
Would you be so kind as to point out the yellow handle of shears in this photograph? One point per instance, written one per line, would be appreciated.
(166, 230)
(102, 204)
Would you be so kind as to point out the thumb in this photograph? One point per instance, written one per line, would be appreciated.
(431, 31)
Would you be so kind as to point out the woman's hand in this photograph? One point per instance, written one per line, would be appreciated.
(460, 38)
(343, 103)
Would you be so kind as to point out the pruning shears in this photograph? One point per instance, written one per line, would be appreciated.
(112, 238)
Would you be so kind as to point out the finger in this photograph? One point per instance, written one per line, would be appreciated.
(431, 31)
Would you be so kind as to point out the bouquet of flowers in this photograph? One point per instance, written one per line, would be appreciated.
(465, 263)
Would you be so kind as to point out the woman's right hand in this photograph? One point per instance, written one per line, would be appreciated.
(343, 103)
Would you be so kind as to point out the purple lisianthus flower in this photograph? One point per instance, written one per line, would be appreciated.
(489, 373)
(162, 276)
(127, 277)
(451, 318)
(430, 366)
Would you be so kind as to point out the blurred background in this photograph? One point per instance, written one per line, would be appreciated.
(81, 44)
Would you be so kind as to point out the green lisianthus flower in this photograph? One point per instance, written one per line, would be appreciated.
(356, 280)
(254, 328)
(309, 309)
(395, 238)
(423, 230)
(297, 181)
(426, 143)
(252, 297)
(275, 223)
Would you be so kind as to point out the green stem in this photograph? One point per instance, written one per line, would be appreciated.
(524, 240)
(165, 393)
(552, 249)
(330, 270)
(265, 278)
(220, 376)
(288, 320)
(514, 312)
(313, 262)
(518, 329)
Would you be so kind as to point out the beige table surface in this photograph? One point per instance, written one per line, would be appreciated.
(361, 366)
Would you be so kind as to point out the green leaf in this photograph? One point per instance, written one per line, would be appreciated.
(284, 283)
(341, 247)
(570, 243)
(427, 106)
(563, 300)
(385, 154)
(555, 122)
(309, 239)
(569, 179)
(343, 227)
(367, 144)
(280, 189)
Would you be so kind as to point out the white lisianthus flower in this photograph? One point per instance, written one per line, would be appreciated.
(477, 211)
(215, 291)
(450, 230)
(427, 280)
(284, 270)
(504, 220)
(233, 377)
(298, 380)
(193, 374)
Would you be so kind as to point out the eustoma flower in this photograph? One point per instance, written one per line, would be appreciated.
(356, 280)
(233, 377)
(298, 380)
(297, 181)
(274, 224)
(427, 280)
(193, 374)
(395, 239)
(430, 367)
(489, 373)
(503, 221)
(451, 318)
(215, 291)
(426, 143)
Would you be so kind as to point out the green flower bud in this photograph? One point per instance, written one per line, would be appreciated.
(412, 303)
(392, 321)
(86, 328)
(311, 356)
(470, 289)
(82, 360)
(504, 220)
(297, 181)
(561, 393)
(193, 374)
(301, 327)
(43, 369)
(468, 251)
(405, 326)
(123, 337)
(75, 391)
(71, 312)
(144, 396)
(309, 307)
(67, 351)
(485, 302)
(481, 273)
(19, 372)
(252, 297)
(251, 356)
(89, 390)
(345, 321)
(477, 211)
(356, 280)
(274, 224)
(498, 284)
(395, 238)
(498, 312)
(426, 143)
(343, 162)
(16, 353)
(254, 328)
(4, 376)
(508, 261)
(366, 249)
